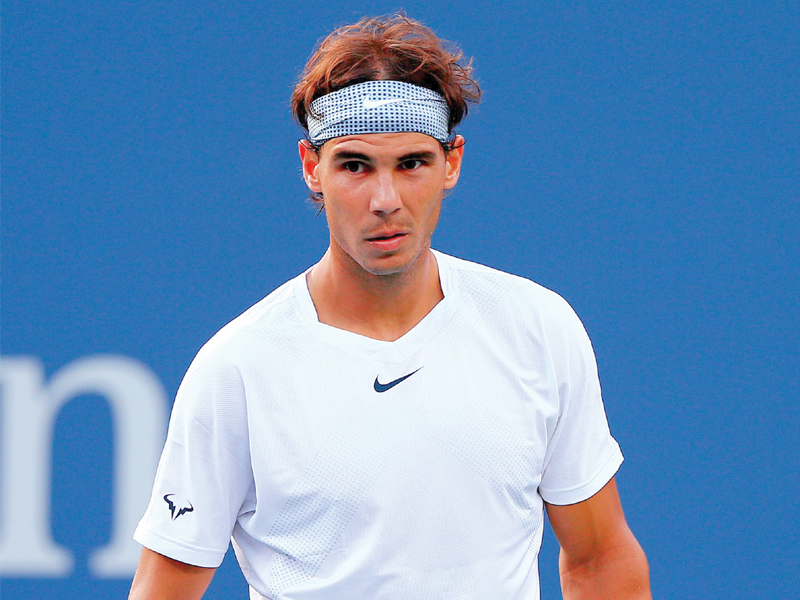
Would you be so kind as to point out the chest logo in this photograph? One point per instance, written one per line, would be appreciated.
(178, 506)
(384, 387)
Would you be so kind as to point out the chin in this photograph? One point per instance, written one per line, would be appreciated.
(384, 268)
(392, 264)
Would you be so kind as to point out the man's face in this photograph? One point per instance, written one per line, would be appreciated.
(383, 193)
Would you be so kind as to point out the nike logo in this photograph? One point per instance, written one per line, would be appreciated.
(368, 103)
(383, 387)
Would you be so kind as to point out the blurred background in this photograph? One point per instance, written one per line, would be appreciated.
(641, 159)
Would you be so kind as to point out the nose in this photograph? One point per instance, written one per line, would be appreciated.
(385, 195)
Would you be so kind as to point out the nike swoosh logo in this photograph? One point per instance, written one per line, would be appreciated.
(383, 387)
(376, 103)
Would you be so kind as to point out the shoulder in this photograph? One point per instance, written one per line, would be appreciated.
(252, 331)
(218, 377)
(477, 283)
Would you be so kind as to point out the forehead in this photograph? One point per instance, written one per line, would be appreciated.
(383, 144)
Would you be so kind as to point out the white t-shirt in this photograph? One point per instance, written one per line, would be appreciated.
(348, 467)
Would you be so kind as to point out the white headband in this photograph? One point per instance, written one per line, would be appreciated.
(378, 107)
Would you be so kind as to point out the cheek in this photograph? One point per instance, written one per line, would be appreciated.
(337, 227)
(430, 213)
(342, 185)
(433, 218)
(340, 211)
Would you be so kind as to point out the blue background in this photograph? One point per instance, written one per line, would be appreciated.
(639, 158)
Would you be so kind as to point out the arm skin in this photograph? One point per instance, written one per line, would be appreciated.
(600, 558)
(162, 578)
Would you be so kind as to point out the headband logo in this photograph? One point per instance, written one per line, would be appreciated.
(370, 103)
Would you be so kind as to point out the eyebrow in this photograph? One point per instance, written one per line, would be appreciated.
(341, 155)
(345, 155)
(429, 156)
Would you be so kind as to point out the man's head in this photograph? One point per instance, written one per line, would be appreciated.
(379, 101)
(393, 48)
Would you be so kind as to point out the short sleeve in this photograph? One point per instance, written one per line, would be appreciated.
(204, 474)
(581, 455)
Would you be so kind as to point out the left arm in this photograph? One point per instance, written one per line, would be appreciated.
(600, 558)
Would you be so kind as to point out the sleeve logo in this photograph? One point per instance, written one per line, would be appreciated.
(178, 506)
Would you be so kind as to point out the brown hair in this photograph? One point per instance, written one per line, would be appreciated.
(392, 47)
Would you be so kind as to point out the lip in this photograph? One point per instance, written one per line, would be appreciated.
(387, 240)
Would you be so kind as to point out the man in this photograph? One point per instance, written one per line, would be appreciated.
(389, 424)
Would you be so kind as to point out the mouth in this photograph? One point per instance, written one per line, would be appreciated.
(382, 238)
(387, 241)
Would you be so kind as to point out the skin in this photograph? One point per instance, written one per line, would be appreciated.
(383, 195)
(160, 578)
(600, 558)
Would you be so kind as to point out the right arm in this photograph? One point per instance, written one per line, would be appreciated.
(205, 458)
(161, 578)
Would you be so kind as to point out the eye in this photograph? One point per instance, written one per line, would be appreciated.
(411, 164)
(353, 166)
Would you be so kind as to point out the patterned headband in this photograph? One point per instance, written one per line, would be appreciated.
(378, 107)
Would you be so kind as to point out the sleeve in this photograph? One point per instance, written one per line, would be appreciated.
(204, 474)
(581, 455)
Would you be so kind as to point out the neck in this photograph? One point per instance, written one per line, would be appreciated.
(383, 307)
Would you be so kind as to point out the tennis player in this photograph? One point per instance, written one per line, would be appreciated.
(392, 423)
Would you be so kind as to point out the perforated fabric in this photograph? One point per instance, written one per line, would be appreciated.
(378, 107)
(432, 489)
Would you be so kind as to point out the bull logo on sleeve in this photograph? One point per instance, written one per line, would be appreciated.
(178, 506)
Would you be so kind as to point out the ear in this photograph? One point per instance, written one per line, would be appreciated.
(309, 158)
(453, 166)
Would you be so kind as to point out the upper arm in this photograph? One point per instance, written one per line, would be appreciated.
(599, 557)
(587, 528)
(161, 578)
(581, 456)
(204, 479)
